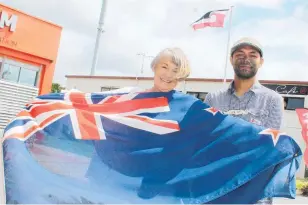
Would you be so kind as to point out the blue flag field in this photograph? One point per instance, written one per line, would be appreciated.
(142, 148)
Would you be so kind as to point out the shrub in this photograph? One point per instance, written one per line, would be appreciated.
(302, 186)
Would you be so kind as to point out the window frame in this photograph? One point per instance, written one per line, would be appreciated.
(2, 71)
(21, 66)
(288, 101)
(108, 88)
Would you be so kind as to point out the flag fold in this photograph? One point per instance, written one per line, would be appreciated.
(142, 147)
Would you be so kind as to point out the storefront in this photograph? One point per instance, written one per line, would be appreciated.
(28, 53)
(293, 94)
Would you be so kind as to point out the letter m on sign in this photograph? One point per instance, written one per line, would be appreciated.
(6, 21)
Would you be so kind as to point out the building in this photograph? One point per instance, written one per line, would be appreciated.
(294, 93)
(28, 53)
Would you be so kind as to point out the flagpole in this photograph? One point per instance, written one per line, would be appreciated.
(98, 37)
(228, 43)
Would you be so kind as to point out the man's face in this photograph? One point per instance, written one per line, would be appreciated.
(246, 62)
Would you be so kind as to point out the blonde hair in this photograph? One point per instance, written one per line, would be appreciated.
(178, 58)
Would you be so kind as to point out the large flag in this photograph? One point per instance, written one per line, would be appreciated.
(142, 147)
(303, 119)
(214, 18)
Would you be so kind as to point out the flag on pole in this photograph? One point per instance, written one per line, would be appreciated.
(302, 114)
(215, 18)
(146, 148)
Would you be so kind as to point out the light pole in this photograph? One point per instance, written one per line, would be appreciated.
(143, 56)
(100, 30)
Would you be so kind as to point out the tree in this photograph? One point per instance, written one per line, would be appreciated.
(56, 88)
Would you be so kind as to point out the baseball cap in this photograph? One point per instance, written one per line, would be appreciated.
(246, 41)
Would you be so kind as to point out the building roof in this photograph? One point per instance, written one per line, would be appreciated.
(215, 80)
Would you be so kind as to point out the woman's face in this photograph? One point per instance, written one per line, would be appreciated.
(165, 75)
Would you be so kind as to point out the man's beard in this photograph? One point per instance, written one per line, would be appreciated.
(242, 73)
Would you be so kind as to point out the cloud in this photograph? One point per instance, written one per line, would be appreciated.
(134, 26)
(80, 16)
(285, 46)
(301, 12)
(273, 4)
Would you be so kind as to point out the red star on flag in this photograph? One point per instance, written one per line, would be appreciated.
(275, 134)
(212, 110)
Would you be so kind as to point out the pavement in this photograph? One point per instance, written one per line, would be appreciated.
(298, 200)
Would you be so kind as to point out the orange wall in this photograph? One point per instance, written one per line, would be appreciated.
(34, 41)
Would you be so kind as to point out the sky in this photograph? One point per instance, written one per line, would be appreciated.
(147, 26)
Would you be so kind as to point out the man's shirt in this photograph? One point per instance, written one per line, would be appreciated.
(259, 105)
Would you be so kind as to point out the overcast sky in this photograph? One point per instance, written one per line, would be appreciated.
(134, 26)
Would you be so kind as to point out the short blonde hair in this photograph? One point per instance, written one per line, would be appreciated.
(178, 58)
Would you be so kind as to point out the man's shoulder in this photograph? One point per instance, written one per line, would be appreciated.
(219, 93)
(216, 98)
(269, 93)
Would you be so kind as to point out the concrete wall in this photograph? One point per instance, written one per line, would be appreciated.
(95, 84)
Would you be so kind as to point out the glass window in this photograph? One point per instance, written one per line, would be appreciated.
(108, 88)
(20, 73)
(105, 89)
(10, 72)
(28, 77)
(202, 96)
(294, 103)
(193, 94)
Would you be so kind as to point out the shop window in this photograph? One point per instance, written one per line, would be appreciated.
(28, 77)
(10, 73)
(291, 103)
(202, 96)
(108, 88)
(19, 73)
(198, 95)
(193, 94)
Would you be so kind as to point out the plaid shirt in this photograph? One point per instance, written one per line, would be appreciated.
(259, 105)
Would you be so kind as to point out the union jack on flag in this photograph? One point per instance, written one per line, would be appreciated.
(85, 115)
(142, 147)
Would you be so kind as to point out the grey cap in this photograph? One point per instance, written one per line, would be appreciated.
(246, 41)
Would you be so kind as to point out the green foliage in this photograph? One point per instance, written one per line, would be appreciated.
(302, 186)
(56, 88)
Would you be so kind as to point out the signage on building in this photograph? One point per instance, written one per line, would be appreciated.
(288, 89)
(9, 21)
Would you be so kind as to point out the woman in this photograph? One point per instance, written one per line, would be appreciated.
(170, 66)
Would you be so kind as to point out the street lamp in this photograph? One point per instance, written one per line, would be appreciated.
(143, 56)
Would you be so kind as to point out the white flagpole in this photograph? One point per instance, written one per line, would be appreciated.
(98, 37)
(228, 42)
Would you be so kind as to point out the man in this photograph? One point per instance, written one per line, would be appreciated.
(246, 98)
